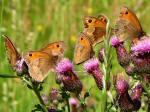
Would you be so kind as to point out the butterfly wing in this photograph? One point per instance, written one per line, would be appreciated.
(55, 49)
(83, 49)
(126, 30)
(39, 64)
(12, 53)
(95, 28)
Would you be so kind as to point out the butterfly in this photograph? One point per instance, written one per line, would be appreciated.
(128, 26)
(83, 49)
(39, 63)
(95, 27)
(12, 53)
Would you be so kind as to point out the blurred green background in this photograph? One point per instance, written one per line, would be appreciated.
(31, 24)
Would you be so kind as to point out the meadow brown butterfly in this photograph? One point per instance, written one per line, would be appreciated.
(95, 27)
(39, 64)
(12, 53)
(128, 26)
(83, 49)
(45, 60)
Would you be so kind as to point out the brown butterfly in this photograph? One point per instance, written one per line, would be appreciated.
(83, 49)
(45, 60)
(95, 27)
(12, 53)
(128, 26)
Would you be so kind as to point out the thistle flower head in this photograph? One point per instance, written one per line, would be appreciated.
(73, 102)
(63, 66)
(115, 41)
(68, 79)
(45, 98)
(52, 110)
(121, 85)
(21, 66)
(91, 65)
(137, 91)
(54, 94)
(142, 47)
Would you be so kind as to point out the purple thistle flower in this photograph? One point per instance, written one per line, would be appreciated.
(63, 66)
(115, 41)
(52, 110)
(73, 102)
(122, 55)
(45, 99)
(92, 67)
(142, 47)
(123, 98)
(54, 94)
(136, 96)
(68, 77)
(121, 85)
(21, 67)
(128, 102)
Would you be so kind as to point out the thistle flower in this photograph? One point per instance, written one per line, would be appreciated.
(128, 102)
(21, 67)
(73, 102)
(52, 110)
(45, 99)
(142, 47)
(136, 96)
(101, 55)
(122, 55)
(92, 67)
(122, 85)
(123, 98)
(115, 42)
(68, 78)
(54, 94)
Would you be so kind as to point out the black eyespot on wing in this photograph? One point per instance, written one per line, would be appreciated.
(89, 20)
(126, 12)
(30, 54)
(57, 45)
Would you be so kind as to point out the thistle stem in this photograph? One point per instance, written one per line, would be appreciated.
(68, 106)
(8, 76)
(37, 93)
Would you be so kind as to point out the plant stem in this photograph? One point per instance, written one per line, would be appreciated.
(8, 76)
(37, 93)
(68, 106)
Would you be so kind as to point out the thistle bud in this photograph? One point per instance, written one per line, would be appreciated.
(74, 103)
(136, 96)
(68, 78)
(101, 55)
